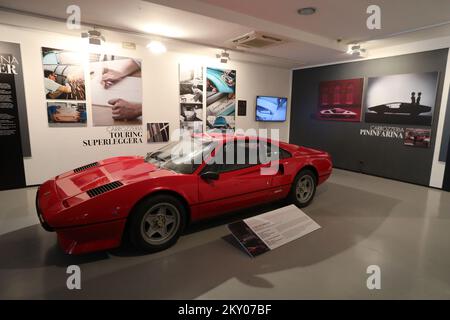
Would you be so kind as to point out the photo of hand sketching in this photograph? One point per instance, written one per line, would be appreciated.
(125, 110)
(121, 108)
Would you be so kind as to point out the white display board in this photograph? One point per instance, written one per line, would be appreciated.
(273, 229)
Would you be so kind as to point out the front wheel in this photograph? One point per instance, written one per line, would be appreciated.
(303, 188)
(157, 223)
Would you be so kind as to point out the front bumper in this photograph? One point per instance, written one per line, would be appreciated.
(44, 224)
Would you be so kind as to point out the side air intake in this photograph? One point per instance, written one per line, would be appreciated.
(90, 165)
(104, 188)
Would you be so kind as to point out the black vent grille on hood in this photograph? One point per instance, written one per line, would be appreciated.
(104, 188)
(90, 165)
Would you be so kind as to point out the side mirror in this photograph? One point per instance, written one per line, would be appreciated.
(210, 175)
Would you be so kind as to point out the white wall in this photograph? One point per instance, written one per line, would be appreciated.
(55, 150)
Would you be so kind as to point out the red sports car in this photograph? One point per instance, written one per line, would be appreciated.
(156, 196)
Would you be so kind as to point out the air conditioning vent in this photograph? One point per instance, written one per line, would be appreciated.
(104, 188)
(257, 40)
(94, 164)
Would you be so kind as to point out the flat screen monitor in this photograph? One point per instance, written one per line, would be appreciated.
(271, 108)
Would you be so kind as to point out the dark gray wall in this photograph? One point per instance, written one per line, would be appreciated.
(373, 155)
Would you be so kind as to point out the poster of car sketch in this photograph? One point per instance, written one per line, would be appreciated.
(402, 99)
(340, 100)
(220, 99)
(66, 114)
(417, 137)
(191, 98)
(157, 132)
(63, 75)
(272, 229)
(116, 90)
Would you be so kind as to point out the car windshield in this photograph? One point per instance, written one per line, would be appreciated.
(183, 156)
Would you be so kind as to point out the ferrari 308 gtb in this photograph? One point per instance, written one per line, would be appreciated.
(151, 199)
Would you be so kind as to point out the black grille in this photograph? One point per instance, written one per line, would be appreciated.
(104, 188)
(90, 165)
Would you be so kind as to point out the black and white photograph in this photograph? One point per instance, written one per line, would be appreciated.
(191, 112)
(191, 84)
(402, 99)
(157, 132)
(189, 127)
(63, 74)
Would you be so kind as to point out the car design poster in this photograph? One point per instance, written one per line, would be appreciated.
(116, 90)
(402, 99)
(190, 80)
(64, 85)
(340, 100)
(220, 99)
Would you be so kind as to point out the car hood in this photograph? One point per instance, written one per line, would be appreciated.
(124, 169)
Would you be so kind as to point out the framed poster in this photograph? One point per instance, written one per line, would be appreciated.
(340, 100)
(65, 89)
(417, 137)
(221, 99)
(191, 98)
(157, 132)
(116, 90)
(402, 99)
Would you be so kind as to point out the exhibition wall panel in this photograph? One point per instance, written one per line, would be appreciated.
(377, 147)
(57, 149)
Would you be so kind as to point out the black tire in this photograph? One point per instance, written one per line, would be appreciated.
(146, 223)
(300, 199)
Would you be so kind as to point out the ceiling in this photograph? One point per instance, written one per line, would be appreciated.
(344, 19)
(312, 39)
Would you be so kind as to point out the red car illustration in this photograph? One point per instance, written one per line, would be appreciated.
(337, 113)
(154, 197)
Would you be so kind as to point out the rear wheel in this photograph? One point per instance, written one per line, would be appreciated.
(157, 223)
(303, 188)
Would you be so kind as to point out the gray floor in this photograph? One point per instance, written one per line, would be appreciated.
(365, 220)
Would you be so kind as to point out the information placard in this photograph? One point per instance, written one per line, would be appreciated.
(272, 229)
(11, 161)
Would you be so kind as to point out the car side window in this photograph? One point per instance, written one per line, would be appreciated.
(234, 155)
(273, 153)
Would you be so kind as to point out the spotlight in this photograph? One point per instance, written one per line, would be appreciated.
(356, 50)
(157, 47)
(223, 56)
(95, 37)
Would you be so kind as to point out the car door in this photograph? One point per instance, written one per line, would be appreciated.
(240, 183)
